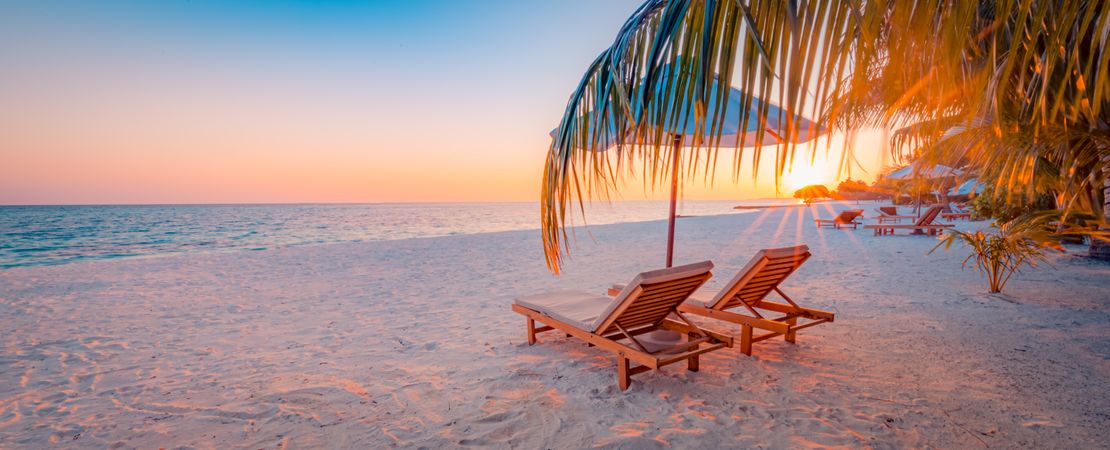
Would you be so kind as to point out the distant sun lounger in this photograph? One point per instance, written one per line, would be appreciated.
(612, 323)
(845, 219)
(748, 291)
(957, 213)
(922, 226)
(890, 214)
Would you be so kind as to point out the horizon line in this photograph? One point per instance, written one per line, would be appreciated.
(10, 205)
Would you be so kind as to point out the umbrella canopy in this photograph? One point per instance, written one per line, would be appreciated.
(737, 129)
(911, 171)
(969, 187)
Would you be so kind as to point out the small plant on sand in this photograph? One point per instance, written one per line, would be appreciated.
(1000, 254)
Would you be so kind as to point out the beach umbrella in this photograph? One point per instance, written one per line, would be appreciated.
(969, 187)
(687, 132)
(911, 172)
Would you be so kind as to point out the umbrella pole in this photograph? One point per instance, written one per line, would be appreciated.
(674, 199)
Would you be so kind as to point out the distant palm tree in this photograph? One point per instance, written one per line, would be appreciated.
(1018, 90)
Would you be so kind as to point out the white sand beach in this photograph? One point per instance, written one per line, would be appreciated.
(411, 343)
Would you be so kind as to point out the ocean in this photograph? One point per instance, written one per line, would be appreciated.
(43, 235)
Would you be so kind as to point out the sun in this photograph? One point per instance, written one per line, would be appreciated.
(802, 175)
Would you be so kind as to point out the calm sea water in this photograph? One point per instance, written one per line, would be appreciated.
(40, 235)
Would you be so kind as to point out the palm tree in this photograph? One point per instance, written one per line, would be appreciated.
(1017, 90)
(1020, 96)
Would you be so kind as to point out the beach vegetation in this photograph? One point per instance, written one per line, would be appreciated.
(857, 190)
(992, 204)
(812, 192)
(999, 253)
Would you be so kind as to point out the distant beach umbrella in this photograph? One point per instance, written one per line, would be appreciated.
(911, 172)
(969, 187)
(738, 129)
(914, 172)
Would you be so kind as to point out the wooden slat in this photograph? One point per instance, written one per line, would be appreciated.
(793, 259)
(687, 355)
(784, 308)
(657, 311)
(656, 307)
(600, 341)
(766, 336)
(654, 302)
(732, 317)
(809, 324)
(778, 265)
(773, 273)
(680, 327)
(781, 271)
(635, 332)
(762, 284)
(641, 319)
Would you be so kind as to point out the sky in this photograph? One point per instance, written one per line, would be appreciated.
(298, 101)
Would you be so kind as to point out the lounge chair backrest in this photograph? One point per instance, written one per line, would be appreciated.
(652, 296)
(929, 216)
(848, 216)
(764, 272)
(889, 210)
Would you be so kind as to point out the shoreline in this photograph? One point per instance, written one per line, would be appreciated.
(192, 251)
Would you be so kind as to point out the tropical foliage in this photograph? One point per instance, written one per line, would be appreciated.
(1015, 90)
(811, 192)
(992, 204)
(1001, 253)
(857, 190)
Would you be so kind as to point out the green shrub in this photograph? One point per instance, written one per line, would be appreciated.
(996, 205)
(1000, 254)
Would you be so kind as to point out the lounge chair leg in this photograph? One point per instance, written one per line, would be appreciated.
(531, 331)
(746, 339)
(623, 378)
(791, 335)
(692, 362)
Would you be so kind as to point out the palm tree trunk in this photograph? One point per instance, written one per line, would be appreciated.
(1101, 249)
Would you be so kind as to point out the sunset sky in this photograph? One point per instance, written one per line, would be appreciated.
(227, 102)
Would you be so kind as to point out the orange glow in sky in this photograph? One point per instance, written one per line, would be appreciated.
(229, 103)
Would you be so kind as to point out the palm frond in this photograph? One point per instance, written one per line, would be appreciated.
(666, 56)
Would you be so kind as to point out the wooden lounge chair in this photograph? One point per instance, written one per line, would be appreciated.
(957, 213)
(845, 219)
(922, 226)
(889, 214)
(747, 293)
(612, 323)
